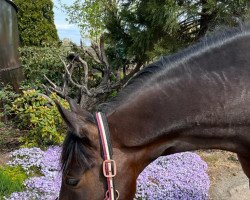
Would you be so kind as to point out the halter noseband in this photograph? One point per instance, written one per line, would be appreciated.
(109, 165)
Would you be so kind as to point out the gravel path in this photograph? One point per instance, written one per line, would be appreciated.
(228, 182)
(231, 186)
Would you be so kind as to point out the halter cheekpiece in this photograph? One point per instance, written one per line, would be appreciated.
(109, 165)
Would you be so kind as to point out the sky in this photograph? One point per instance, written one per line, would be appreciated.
(64, 29)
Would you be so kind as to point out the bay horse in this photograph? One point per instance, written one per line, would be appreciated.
(196, 99)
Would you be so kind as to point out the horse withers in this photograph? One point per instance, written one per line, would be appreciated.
(196, 99)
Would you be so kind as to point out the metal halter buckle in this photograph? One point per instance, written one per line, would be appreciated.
(107, 195)
(107, 171)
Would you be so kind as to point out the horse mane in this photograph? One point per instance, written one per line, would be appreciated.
(158, 70)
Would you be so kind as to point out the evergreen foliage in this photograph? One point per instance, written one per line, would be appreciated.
(36, 22)
(145, 29)
(150, 28)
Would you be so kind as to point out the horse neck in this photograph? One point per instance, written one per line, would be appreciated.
(190, 114)
(202, 104)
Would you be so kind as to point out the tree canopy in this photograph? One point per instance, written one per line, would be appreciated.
(150, 28)
(36, 22)
(145, 29)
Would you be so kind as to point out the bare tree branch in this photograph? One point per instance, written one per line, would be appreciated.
(83, 87)
(90, 96)
(47, 98)
(69, 76)
(98, 69)
(92, 55)
(51, 89)
(103, 54)
(86, 70)
(95, 47)
(50, 82)
(132, 73)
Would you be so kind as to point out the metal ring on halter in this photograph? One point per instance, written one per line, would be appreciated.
(107, 195)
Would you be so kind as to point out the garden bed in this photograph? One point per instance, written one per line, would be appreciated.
(228, 182)
(179, 176)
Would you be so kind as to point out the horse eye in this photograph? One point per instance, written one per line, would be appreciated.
(72, 181)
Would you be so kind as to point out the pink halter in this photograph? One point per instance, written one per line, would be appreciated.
(109, 165)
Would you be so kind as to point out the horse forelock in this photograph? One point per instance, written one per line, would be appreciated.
(77, 151)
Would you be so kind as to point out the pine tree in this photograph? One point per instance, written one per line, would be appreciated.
(36, 22)
(149, 28)
(141, 30)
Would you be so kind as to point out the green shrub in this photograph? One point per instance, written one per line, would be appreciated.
(40, 61)
(7, 96)
(38, 115)
(11, 180)
(36, 22)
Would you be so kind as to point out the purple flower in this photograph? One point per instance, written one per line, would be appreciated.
(27, 158)
(44, 187)
(178, 176)
(50, 165)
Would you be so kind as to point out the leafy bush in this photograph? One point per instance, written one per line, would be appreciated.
(179, 176)
(38, 114)
(7, 96)
(40, 61)
(11, 180)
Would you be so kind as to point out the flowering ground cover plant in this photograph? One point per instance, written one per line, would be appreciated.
(44, 170)
(180, 176)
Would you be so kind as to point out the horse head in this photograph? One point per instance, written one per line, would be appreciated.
(82, 161)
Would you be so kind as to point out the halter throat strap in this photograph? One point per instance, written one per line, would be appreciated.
(109, 165)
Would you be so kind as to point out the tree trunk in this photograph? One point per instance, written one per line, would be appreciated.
(206, 17)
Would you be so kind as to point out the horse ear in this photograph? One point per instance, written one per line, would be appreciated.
(73, 105)
(77, 108)
(74, 121)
